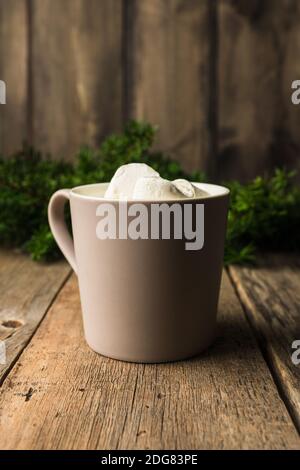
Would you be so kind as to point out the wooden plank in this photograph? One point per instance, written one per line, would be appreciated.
(258, 125)
(271, 295)
(62, 395)
(170, 75)
(289, 140)
(77, 73)
(13, 70)
(26, 291)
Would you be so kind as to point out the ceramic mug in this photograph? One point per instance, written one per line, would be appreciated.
(143, 300)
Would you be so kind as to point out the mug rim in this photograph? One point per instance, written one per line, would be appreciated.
(222, 192)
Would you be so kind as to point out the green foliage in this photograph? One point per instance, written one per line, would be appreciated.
(26, 182)
(263, 214)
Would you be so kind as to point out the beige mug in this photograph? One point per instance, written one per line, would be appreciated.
(143, 300)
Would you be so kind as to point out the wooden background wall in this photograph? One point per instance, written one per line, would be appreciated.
(214, 74)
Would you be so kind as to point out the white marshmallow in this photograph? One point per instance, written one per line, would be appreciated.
(155, 188)
(125, 178)
(185, 187)
(138, 181)
(189, 189)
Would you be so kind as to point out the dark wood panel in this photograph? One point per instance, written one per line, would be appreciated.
(170, 83)
(287, 145)
(76, 73)
(258, 41)
(13, 70)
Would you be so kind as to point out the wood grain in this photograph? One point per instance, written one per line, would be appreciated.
(271, 295)
(14, 72)
(77, 73)
(26, 291)
(288, 143)
(258, 125)
(62, 395)
(170, 82)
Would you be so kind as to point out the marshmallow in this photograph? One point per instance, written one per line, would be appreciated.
(155, 188)
(189, 189)
(138, 181)
(185, 187)
(125, 178)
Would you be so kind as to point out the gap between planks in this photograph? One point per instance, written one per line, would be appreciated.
(62, 395)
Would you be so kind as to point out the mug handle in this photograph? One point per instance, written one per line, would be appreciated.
(58, 225)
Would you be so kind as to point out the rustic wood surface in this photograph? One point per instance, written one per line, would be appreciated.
(271, 295)
(26, 291)
(76, 73)
(61, 395)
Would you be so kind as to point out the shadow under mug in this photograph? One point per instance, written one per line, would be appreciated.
(143, 300)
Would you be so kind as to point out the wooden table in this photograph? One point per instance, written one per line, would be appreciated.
(244, 392)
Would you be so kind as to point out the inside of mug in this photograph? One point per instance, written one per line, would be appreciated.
(97, 191)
